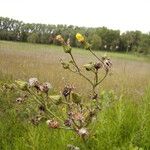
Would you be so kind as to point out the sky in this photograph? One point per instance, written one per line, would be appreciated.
(124, 15)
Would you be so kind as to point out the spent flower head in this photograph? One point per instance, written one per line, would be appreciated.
(33, 82)
(60, 39)
(83, 132)
(53, 123)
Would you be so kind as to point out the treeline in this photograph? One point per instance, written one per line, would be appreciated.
(101, 38)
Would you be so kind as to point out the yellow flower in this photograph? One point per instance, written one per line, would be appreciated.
(80, 37)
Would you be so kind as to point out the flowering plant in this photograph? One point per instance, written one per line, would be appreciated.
(67, 110)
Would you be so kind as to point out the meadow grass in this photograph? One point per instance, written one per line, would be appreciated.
(125, 125)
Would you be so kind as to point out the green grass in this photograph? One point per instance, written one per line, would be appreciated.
(125, 125)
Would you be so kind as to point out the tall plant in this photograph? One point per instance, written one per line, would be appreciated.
(67, 110)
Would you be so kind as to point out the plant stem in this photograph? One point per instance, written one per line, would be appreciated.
(78, 70)
(96, 56)
(106, 73)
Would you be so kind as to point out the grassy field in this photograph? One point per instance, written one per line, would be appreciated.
(123, 126)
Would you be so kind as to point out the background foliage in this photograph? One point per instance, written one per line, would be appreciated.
(101, 38)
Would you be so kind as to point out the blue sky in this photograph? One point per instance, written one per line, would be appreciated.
(115, 14)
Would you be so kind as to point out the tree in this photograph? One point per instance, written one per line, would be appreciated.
(33, 38)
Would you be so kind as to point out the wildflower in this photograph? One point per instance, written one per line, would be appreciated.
(80, 37)
(60, 39)
(78, 116)
(41, 108)
(107, 64)
(97, 65)
(36, 120)
(83, 132)
(46, 87)
(19, 100)
(68, 122)
(72, 147)
(52, 124)
(33, 82)
(40, 87)
(67, 90)
(48, 122)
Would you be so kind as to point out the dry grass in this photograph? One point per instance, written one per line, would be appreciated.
(23, 60)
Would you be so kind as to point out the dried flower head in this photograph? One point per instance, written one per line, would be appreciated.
(52, 123)
(68, 122)
(67, 90)
(33, 82)
(107, 64)
(97, 65)
(42, 108)
(60, 39)
(78, 116)
(80, 37)
(19, 100)
(46, 87)
(83, 132)
(72, 147)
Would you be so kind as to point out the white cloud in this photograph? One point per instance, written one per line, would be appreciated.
(115, 14)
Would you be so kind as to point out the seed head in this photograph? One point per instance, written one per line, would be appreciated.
(33, 82)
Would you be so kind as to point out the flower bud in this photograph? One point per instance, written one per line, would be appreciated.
(67, 48)
(65, 65)
(76, 98)
(89, 66)
(22, 84)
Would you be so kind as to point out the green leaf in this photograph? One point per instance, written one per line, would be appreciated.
(57, 99)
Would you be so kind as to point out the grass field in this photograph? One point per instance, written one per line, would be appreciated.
(123, 126)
